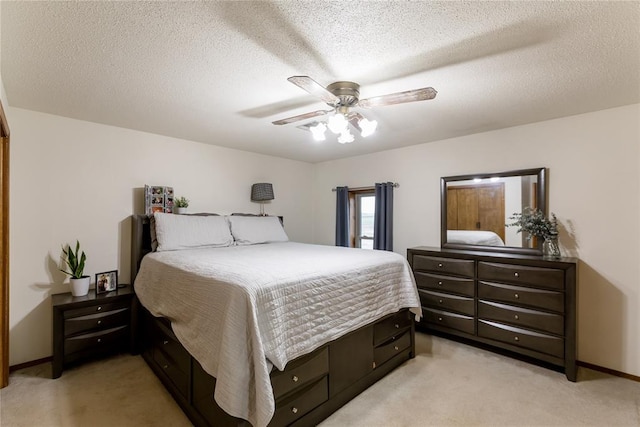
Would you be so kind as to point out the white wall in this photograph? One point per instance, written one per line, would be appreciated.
(594, 188)
(77, 180)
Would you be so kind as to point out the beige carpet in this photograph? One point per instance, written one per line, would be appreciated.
(447, 384)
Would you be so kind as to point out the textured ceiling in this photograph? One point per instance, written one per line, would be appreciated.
(216, 72)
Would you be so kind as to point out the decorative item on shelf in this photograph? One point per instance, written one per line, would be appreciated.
(106, 282)
(158, 199)
(262, 192)
(75, 263)
(535, 223)
(181, 204)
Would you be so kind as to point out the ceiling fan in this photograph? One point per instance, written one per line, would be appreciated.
(343, 95)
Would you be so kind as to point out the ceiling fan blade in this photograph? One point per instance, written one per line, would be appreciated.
(399, 98)
(314, 88)
(301, 117)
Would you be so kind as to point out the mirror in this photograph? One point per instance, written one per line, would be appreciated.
(476, 207)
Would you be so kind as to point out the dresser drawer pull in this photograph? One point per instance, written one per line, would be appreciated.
(440, 283)
(440, 265)
(395, 347)
(516, 317)
(99, 308)
(516, 296)
(439, 319)
(397, 326)
(516, 274)
(165, 367)
(294, 410)
(99, 339)
(295, 378)
(516, 338)
(165, 342)
(440, 301)
(99, 322)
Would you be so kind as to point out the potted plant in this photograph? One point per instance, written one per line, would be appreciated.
(535, 223)
(75, 269)
(181, 204)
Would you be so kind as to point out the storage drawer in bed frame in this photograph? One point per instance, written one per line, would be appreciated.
(311, 387)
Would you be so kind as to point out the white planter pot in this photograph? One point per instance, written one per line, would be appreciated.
(80, 287)
(181, 210)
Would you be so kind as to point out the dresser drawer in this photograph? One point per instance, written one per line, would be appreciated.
(446, 319)
(167, 342)
(97, 321)
(439, 282)
(300, 373)
(440, 300)
(461, 267)
(394, 346)
(301, 403)
(522, 338)
(546, 322)
(99, 341)
(539, 298)
(518, 274)
(178, 377)
(390, 326)
(98, 308)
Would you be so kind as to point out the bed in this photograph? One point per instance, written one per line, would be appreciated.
(474, 237)
(265, 329)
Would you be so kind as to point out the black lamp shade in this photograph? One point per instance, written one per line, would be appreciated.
(261, 191)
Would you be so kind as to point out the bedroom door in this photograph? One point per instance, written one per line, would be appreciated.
(476, 207)
(4, 250)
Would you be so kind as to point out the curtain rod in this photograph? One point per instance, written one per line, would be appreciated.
(395, 185)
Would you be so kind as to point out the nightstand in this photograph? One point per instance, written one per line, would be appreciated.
(91, 326)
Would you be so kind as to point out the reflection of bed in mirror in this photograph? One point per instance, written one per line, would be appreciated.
(474, 237)
(476, 205)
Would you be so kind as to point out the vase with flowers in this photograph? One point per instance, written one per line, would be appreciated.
(535, 223)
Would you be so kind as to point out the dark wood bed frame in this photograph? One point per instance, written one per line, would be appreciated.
(310, 388)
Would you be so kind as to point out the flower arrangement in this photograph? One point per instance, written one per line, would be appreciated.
(181, 202)
(534, 222)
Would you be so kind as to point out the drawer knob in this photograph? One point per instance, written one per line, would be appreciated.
(516, 274)
(516, 317)
(99, 308)
(440, 301)
(165, 342)
(395, 347)
(294, 378)
(99, 322)
(294, 410)
(99, 339)
(165, 367)
(440, 283)
(440, 319)
(516, 338)
(397, 326)
(439, 265)
(516, 296)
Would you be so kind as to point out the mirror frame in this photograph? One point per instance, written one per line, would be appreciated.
(541, 197)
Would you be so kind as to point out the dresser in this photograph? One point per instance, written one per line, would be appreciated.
(91, 326)
(522, 304)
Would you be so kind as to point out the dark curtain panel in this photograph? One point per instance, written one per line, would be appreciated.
(342, 216)
(383, 219)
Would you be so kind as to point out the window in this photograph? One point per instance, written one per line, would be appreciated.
(362, 207)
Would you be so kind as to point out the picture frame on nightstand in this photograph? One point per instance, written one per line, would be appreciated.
(106, 282)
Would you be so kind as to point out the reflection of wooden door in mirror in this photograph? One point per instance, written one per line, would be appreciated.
(476, 207)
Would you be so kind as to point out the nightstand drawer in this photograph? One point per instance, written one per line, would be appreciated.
(300, 373)
(98, 341)
(97, 308)
(444, 301)
(446, 319)
(548, 300)
(445, 283)
(97, 321)
(534, 319)
(394, 346)
(522, 338)
(520, 274)
(461, 267)
(391, 326)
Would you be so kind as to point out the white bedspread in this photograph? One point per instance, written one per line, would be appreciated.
(239, 309)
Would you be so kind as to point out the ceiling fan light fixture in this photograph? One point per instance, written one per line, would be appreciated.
(318, 131)
(338, 124)
(368, 127)
(346, 137)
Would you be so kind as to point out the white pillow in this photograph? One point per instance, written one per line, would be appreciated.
(250, 230)
(191, 231)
